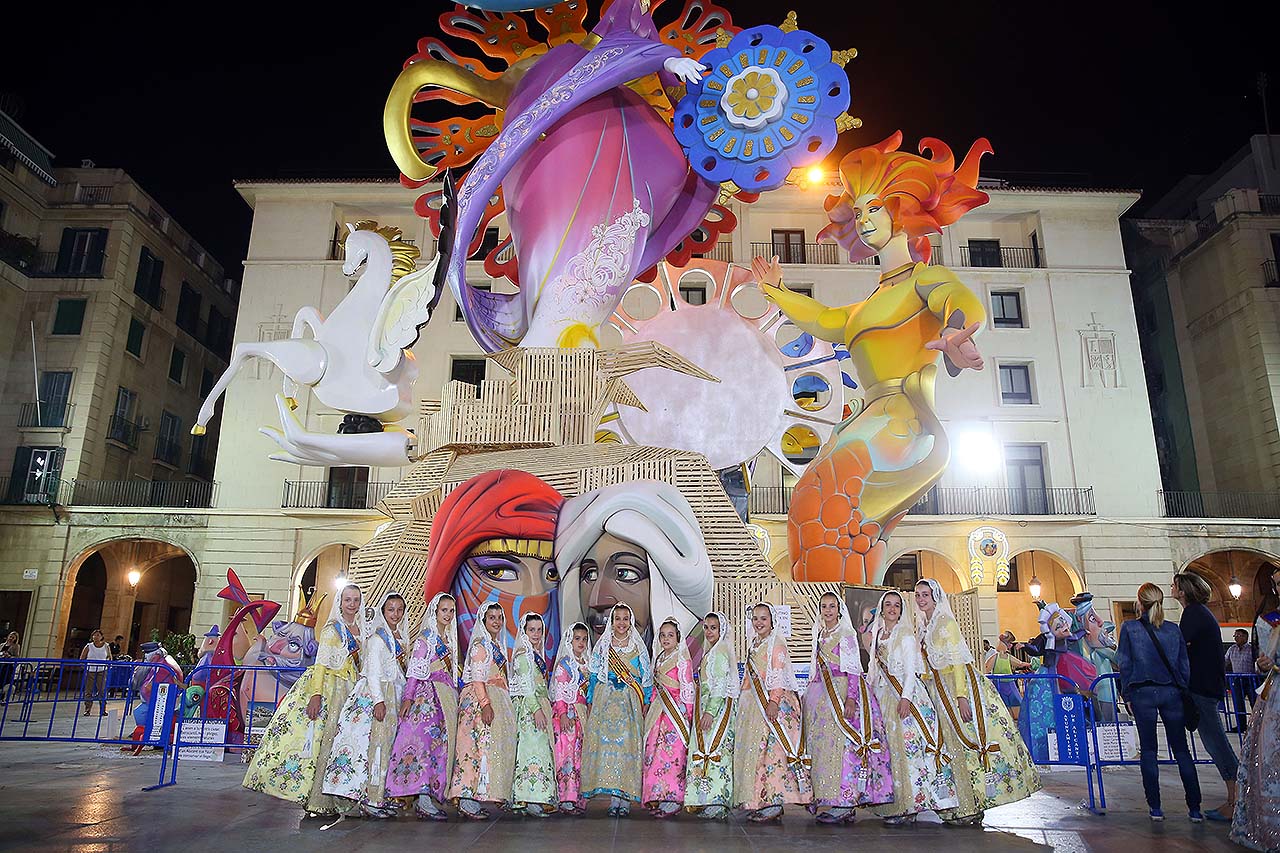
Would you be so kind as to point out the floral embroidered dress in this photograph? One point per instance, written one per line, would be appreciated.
(666, 740)
(422, 755)
(1256, 823)
(485, 762)
(988, 758)
(620, 687)
(770, 758)
(851, 764)
(709, 781)
(535, 778)
(569, 683)
(285, 763)
(922, 777)
(357, 768)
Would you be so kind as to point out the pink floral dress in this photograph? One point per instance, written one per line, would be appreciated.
(422, 756)
(666, 742)
(569, 714)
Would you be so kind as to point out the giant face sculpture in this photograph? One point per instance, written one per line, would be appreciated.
(614, 572)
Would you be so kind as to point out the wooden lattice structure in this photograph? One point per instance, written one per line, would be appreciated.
(965, 606)
(733, 597)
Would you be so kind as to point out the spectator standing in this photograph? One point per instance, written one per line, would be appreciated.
(1208, 682)
(1154, 671)
(1240, 661)
(117, 647)
(95, 682)
(8, 650)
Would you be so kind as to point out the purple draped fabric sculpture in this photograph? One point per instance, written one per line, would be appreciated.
(597, 188)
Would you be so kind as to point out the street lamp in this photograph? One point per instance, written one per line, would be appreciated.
(133, 577)
(1034, 587)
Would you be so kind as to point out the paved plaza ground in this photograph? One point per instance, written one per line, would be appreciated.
(88, 798)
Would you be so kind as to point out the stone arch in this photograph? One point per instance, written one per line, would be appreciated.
(119, 553)
(932, 567)
(323, 571)
(1059, 581)
(1251, 566)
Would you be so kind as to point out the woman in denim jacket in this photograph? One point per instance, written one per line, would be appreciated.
(1151, 690)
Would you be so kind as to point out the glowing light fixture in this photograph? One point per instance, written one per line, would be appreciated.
(1034, 587)
(978, 451)
(133, 577)
(340, 581)
(815, 175)
(1236, 589)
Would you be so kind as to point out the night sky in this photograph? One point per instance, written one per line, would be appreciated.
(189, 96)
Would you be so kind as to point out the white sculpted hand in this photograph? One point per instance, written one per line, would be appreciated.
(688, 70)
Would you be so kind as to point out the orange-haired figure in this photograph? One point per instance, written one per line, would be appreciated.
(880, 460)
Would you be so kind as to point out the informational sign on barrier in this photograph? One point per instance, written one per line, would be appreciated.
(1117, 742)
(155, 727)
(1068, 741)
(194, 733)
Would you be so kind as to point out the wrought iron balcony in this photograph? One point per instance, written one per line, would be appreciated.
(995, 500)
(1016, 257)
(1182, 504)
(33, 491)
(721, 251)
(51, 415)
(800, 253)
(321, 494)
(168, 451)
(975, 501)
(157, 493)
(124, 431)
(93, 194)
(1270, 275)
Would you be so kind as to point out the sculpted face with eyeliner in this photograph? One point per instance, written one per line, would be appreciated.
(615, 572)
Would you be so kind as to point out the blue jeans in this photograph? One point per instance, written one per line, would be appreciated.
(1163, 701)
(1242, 687)
(1215, 739)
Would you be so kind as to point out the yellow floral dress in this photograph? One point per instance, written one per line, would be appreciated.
(285, 764)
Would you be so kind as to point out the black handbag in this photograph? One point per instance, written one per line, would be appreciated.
(1190, 711)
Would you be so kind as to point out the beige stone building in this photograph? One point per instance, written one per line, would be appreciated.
(113, 322)
(1054, 446)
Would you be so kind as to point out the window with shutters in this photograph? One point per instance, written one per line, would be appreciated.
(68, 317)
(137, 334)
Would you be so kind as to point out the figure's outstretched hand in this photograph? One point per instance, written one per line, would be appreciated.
(767, 272)
(957, 345)
(688, 70)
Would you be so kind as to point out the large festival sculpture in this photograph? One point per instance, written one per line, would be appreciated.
(597, 472)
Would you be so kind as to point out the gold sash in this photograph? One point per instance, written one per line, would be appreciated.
(797, 756)
(672, 709)
(619, 668)
(932, 740)
(984, 748)
(703, 754)
(864, 742)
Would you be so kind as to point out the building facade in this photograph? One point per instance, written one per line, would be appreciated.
(1054, 455)
(115, 322)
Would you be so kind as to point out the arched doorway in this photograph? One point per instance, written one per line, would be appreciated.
(87, 598)
(1253, 571)
(913, 566)
(1016, 606)
(320, 573)
(129, 588)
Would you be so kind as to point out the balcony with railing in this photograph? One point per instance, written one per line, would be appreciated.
(721, 251)
(322, 494)
(22, 254)
(168, 452)
(93, 194)
(152, 493)
(34, 491)
(123, 431)
(996, 500)
(800, 253)
(1184, 504)
(1014, 257)
(1270, 274)
(152, 294)
(52, 415)
(976, 501)
(200, 465)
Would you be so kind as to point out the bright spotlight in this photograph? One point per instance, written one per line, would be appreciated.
(339, 582)
(816, 175)
(977, 451)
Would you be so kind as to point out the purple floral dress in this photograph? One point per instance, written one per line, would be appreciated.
(422, 755)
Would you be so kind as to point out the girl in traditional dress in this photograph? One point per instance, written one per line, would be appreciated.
(843, 725)
(290, 761)
(486, 745)
(569, 705)
(922, 777)
(666, 739)
(357, 768)
(619, 690)
(1256, 823)
(770, 757)
(422, 755)
(709, 782)
(988, 758)
(533, 790)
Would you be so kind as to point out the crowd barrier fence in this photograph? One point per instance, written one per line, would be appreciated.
(1090, 732)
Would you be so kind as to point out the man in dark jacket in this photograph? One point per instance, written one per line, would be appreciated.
(1208, 682)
